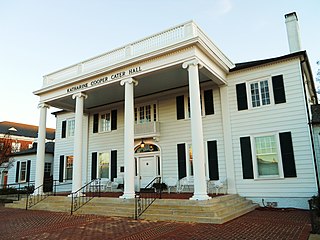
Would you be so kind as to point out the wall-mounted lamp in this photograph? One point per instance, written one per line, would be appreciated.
(142, 143)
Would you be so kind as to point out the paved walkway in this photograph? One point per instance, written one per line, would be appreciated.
(259, 224)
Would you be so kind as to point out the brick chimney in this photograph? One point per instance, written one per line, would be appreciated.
(293, 32)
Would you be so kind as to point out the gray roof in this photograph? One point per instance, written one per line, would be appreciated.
(24, 130)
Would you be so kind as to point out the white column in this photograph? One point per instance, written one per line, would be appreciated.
(78, 137)
(200, 185)
(41, 146)
(128, 138)
(228, 150)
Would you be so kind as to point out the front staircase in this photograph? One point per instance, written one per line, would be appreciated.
(217, 210)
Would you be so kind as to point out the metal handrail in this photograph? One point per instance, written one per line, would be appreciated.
(33, 198)
(143, 200)
(85, 194)
(17, 189)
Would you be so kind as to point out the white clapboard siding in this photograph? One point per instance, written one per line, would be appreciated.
(290, 116)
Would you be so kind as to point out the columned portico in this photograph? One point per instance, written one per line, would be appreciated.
(129, 138)
(200, 186)
(41, 146)
(78, 137)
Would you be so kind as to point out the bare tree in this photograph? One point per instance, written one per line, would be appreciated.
(5, 148)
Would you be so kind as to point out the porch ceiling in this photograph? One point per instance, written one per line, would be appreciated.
(155, 82)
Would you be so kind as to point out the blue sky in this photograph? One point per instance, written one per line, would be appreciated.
(39, 37)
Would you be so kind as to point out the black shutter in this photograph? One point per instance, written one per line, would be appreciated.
(242, 96)
(28, 170)
(278, 89)
(182, 171)
(93, 165)
(17, 171)
(63, 129)
(208, 102)
(180, 107)
(246, 156)
(213, 160)
(95, 123)
(61, 168)
(288, 162)
(113, 164)
(113, 119)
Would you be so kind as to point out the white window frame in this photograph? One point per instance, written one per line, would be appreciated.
(259, 80)
(102, 124)
(154, 116)
(98, 164)
(15, 147)
(25, 171)
(70, 128)
(254, 157)
(187, 104)
(66, 167)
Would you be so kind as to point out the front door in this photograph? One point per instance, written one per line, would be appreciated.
(147, 170)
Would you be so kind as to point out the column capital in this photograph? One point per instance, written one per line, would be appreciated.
(79, 95)
(43, 105)
(128, 80)
(193, 62)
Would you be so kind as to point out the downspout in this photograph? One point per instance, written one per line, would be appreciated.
(310, 128)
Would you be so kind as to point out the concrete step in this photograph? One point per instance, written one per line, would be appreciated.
(211, 211)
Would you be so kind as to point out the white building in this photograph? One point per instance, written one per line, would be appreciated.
(199, 115)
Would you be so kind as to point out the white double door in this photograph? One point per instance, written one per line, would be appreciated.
(147, 169)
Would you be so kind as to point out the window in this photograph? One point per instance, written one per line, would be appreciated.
(23, 171)
(267, 157)
(105, 122)
(104, 165)
(70, 127)
(260, 93)
(47, 168)
(67, 128)
(263, 92)
(69, 167)
(190, 164)
(145, 113)
(183, 105)
(15, 147)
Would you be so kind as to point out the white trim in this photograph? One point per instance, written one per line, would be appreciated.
(254, 156)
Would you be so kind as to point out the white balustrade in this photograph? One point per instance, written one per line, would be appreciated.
(147, 129)
(155, 42)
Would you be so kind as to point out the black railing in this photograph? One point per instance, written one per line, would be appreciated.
(14, 192)
(40, 193)
(85, 194)
(147, 196)
(36, 196)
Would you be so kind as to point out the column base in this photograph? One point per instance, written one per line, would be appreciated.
(128, 195)
(200, 197)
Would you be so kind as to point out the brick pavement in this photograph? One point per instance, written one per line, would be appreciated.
(259, 224)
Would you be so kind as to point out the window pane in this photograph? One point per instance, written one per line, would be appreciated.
(135, 115)
(104, 165)
(142, 114)
(105, 122)
(23, 170)
(148, 113)
(255, 98)
(154, 112)
(69, 166)
(265, 97)
(70, 127)
(267, 156)
(190, 161)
